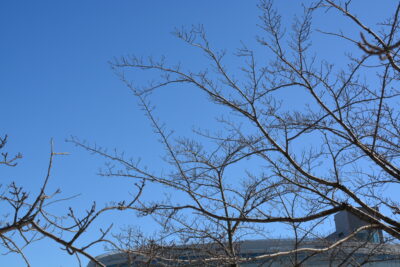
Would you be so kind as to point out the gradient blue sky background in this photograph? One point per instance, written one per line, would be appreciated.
(55, 82)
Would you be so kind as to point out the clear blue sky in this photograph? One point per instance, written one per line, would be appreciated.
(55, 82)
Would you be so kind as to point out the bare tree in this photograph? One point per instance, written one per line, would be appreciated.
(338, 152)
(26, 218)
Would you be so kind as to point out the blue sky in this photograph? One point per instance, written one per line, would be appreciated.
(56, 82)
